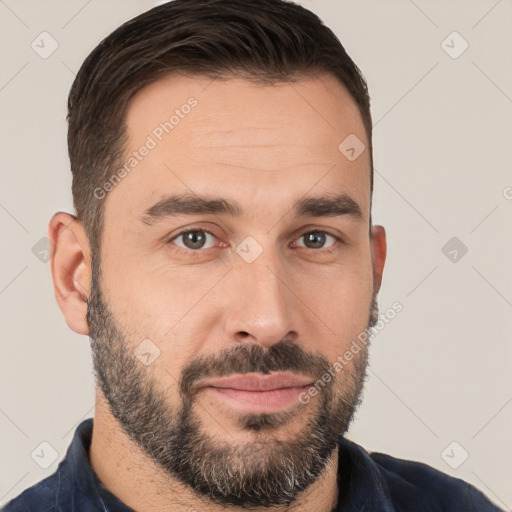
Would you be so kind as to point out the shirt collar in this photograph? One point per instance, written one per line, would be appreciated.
(365, 489)
(79, 488)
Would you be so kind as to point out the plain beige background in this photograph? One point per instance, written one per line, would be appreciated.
(439, 387)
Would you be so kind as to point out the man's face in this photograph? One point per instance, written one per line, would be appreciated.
(194, 296)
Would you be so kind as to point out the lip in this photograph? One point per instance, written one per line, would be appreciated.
(256, 382)
(253, 393)
(257, 401)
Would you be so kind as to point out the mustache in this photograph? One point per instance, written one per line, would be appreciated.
(283, 356)
(280, 357)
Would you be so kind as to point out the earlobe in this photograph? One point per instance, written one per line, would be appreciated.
(379, 250)
(71, 269)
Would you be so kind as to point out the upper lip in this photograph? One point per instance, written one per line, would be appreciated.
(256, 382)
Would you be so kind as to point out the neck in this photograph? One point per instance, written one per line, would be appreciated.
(141, 484)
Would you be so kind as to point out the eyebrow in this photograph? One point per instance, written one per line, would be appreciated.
(187, 204)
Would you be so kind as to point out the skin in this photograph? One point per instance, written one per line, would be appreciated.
(265, 147)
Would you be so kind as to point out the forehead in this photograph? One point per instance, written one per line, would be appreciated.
(258, 144)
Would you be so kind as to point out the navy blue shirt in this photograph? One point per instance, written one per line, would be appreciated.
(368, 483)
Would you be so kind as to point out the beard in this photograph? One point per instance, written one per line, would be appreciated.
(264, 472)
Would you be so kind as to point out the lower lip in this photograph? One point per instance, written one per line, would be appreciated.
(258, 401)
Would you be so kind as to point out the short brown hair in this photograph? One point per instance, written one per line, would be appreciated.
(261, 40)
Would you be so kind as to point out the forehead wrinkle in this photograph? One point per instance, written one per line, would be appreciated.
(285, 168)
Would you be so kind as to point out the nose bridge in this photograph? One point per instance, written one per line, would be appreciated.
(260, 299)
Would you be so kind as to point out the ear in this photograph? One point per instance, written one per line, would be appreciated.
(379, 248)
(71, 269)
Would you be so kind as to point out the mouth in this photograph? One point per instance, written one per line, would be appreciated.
(258, 394)
(257, 401)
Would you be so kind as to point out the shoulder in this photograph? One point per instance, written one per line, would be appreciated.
(408, 481)
(41, 497)
(70, 487)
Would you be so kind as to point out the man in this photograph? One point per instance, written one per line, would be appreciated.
(223, 262)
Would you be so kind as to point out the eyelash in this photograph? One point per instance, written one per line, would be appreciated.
(197, 252)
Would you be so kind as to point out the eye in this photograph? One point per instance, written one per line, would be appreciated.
(194, 239)
(316, 239)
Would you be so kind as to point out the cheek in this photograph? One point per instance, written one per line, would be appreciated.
(342, 305)
(152, 297)
(173, 309)
(339, 299)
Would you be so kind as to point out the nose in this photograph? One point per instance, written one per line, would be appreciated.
(260, 307)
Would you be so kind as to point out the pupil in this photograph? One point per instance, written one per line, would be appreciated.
(316, 238)
(195, 239)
